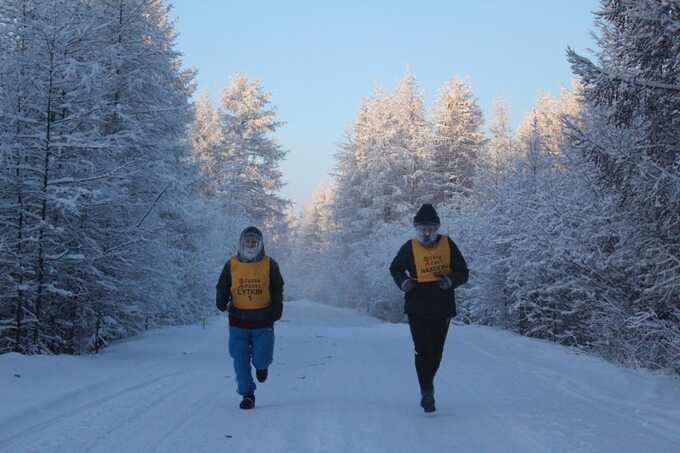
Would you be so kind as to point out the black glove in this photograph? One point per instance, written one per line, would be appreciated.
(408, 285)
(277, 311)
(445, 283)
(222, 305)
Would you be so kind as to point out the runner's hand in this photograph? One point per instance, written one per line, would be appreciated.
(408, 285)
(445, 283)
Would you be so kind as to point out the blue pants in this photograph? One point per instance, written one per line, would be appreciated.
(246, 345)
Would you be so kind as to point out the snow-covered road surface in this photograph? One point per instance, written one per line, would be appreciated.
(341, 382)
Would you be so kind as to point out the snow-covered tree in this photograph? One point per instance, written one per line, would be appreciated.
(384, 167)
(633, 138)
(247, 121)
(94, 106)
(312, 251)
(206, 140)
(46, 100)
(545, 124)
(239, 165)
(458, 136)
(496, 158)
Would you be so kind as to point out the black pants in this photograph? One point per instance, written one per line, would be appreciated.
(429, 336)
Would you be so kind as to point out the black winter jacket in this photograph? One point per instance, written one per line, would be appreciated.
(260, 318)
(427, 300)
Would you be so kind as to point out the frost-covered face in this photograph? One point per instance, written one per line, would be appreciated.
(251, 246)
(426, 233)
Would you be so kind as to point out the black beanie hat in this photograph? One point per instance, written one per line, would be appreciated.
(252, 230)
(426, 214)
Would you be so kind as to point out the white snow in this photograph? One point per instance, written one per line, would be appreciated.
(341, 382)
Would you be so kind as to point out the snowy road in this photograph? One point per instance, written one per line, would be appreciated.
(341, 382)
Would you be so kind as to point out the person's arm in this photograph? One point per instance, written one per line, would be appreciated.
(224, 288)
(276, 284)
(400, 264)
(459, 274)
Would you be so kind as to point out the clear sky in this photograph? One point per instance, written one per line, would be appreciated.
(319, 59)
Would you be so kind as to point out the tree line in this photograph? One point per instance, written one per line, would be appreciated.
(121, 194)
(570, 222)
(113, 213)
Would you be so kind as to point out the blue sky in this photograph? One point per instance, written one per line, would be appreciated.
(318, 60)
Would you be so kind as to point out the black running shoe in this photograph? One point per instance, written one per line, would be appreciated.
(427, 402)
(262, 374)
(248, 402)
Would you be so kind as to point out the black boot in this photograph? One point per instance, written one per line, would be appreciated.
(262, 374)
(427, 401)
(248, 401)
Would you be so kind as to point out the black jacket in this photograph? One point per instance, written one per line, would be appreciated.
(262, 317)
(427, 300)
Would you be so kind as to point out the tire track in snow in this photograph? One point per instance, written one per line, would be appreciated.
(73, 412)
(139, 410)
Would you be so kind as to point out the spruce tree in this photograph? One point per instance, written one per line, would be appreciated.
(458, 138)
(247, 121)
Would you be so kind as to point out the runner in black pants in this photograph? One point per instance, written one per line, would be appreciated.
(428, 269)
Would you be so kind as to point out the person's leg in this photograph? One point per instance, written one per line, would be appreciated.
(263, 348)
(240, 350)
(422, 341)
(439, 331)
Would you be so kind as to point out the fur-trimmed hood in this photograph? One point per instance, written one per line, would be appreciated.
(242, 256)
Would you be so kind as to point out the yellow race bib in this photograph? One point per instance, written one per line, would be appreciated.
(250, 284)
(431, 262)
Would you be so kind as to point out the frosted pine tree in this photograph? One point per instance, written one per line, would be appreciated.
(496, 158)
(489, 223)
(546, 121)
(383, 174)
(313, 248)
(143, 125)
(389, 153)
(458, 136)
(94, 143)
(247, 121)
(48, 95)
(218, 187)
(353, 201)
(635, 85)
(207, 150)
(415, 142)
